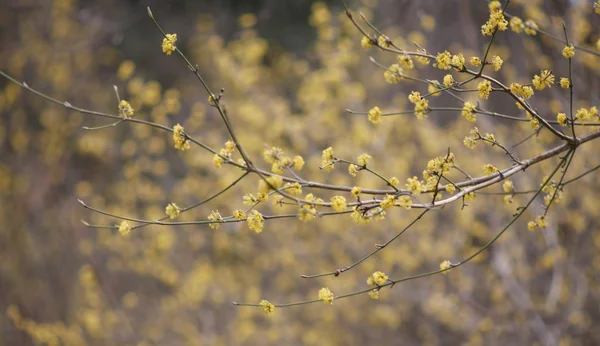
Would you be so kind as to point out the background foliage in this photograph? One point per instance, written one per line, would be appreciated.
(289, 70)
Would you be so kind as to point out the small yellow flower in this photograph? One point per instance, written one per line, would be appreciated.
(383, 41)
(239, 215)
(366, 42)
(520, 90)
(125, 108)
(377, 279)
(530, 27)
(272, 155)
(450, 188)
(387, 202)
(508, 186)
(124, 228)
(168, 43)
(405, 202)
(363, 159)
(535, 123)
(293, 189)
(458, 61)
(352, 170)
(172, 210)
(375, 115)
(490, 137)
(469, 142)
(597, 7)
(531, 225)
(394, 181)
(374, 293)
(393, 74)
(356, 191)
(468, 112)
(444, 60)
(267, 307)
(217, 161)
(508, 199)
(180, 139)
(516, 24)
(497, 63)
(307, 213)
(338, 203)
(276, 168)
(405, 62)
(326, 295)
(448, 80)
(475, 61)
(489, 169)
(433, 88)
(414, 185)
(255, 221)
(562, 119)
(568, 52)
(230, 146)
(545, 79)
(540, 221)
(215, 219)
(565, 83)
(446, 266)
(298, 162)
(484, 88)
(470, 196)
(327, 158)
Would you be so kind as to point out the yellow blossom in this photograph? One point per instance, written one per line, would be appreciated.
(497, 62)
(276, 168)
(363, 159)
(215, 219)
(468, 111)
(124, 228)
(535, 123)
(490, 137)
(458, 61)
(267, 307)
(272, 155)
(352, 170)
(125, 108)
(217, 161)
(489, 169)
(387, 202)
(450, 188)
(597, 7)
(516, 24)
(531, 225)
(568, 52)
(508, 186)
(230, 146)
(405, 61)
(383, 41)
(356, 191)
(448, 80)
(168, 43)
(414, 185)
(545, 79)
(446, 266)
(327, 158)
(475, 61)
(520, 90)
(540, 221)
(470, 196)
(374, 293)
(179, 138)
(393, 74)
(508, 199)
(239, 215)
(326, 295)
(469, 142)
(298, 162)
(375, 115)
(405, 202)
(377, 279)
(338, 203)
(444, 60)
(433, 88)
(255, 221)
(172, 210)
(394, 181)
(530, 27)
(484, 88)
(366, 42)
(562, 119)
(360, 217)
(293, 189)
(565, 83)
(307, 213)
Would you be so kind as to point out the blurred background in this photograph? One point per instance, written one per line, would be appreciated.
(289, 69)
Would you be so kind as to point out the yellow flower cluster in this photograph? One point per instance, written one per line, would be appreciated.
(215, 219)
(125, 109)
(484, 88)
(497, 63)
(469, 142)
(375, 115)
(414, 185)
(545, 79)
(387, 202)
(353, 169)
(597, 7)
(366, 42)
(255, 221)
(475, 61)
(437, 167)
(584, 115)
(394, 181)
(326, 295)
(393, 74)
(568, 52)
(496, 20)
(168, 43)
(172, 210)
(530, 27)
(433, 88)
(360, 217)
(355, 191)
(489, 169)
(405, 62)
(539, 221)
(278, 160)
(293, 189)
(405, 202)
(383, 41)
(562, 119)
(267, 307)
(468, 112)
(508, 187)
(239, 215)
(446, 266)
(421, 105)
(124, 228)
(377, 279)
(551, 191)
(458, 61)
(180, 139)
(327, 159)
(444, 61)
(516, 24)
(363, 159)
(565, 83)
(448, 80)
(338, 203)
(521, 90)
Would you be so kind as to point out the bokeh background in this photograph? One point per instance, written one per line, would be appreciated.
(289, 69)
